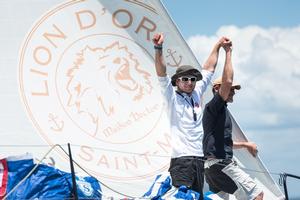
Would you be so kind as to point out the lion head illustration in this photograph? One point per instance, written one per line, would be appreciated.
(103, 82)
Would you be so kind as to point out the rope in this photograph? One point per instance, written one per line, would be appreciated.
(110, 150)
(29, 145)
(166, 156)
(134, 153)
(29, 174)
(82, 168)
(40, 161)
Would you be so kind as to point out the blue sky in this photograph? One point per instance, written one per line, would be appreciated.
(205, 17)
(266, 58)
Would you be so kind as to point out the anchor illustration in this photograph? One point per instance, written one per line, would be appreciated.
(58, 125)
(176, 62)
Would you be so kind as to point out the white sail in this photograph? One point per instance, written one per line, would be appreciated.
(255, 167)
(82, 72)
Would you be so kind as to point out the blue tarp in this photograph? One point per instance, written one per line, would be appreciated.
(45, 182)
(162, 189)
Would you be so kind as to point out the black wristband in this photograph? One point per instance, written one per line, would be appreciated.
(159, 47)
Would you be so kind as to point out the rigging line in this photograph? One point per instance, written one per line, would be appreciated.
(246, 169)
(29, 174)
(98, 180)
(29, 145)
(262, 172)
(127, 152)
(33, 169)
(133, 153)
(57, 145)
(164, 156)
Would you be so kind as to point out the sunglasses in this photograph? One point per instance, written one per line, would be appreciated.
(186, 79)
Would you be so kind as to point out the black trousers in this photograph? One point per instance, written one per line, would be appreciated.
(188, 171)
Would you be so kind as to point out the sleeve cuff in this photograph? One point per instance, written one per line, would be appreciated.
(162, 78)
(205, 72)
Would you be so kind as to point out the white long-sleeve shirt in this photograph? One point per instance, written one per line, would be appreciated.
(186, 133)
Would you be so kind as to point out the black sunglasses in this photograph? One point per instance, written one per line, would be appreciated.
(185, 79)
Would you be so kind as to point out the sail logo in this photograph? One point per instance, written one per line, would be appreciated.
(98, 85)
(87, 78)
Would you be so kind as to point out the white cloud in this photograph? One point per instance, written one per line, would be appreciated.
(267, 64)
(267, 108)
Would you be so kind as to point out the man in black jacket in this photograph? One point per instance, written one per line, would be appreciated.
(222, 173)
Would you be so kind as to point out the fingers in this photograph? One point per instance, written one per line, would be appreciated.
(225, 41)
(161, 39)
(158, 39)
(254, 152)
(252, 148)
(227, 48)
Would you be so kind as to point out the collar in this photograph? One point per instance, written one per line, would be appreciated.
(183, 94)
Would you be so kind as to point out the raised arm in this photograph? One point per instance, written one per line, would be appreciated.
(227, 76)
(212, 60)
(160, 65)
(251, 147)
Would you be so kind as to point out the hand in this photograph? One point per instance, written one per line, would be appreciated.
(252, 148)
(226, 43)
(158, 39)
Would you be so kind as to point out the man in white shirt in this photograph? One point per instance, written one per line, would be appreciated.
(183, 93)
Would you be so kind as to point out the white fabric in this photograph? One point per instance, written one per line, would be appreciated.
(247, 188)
(186, 133)
(211, 162)
(221, 196)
